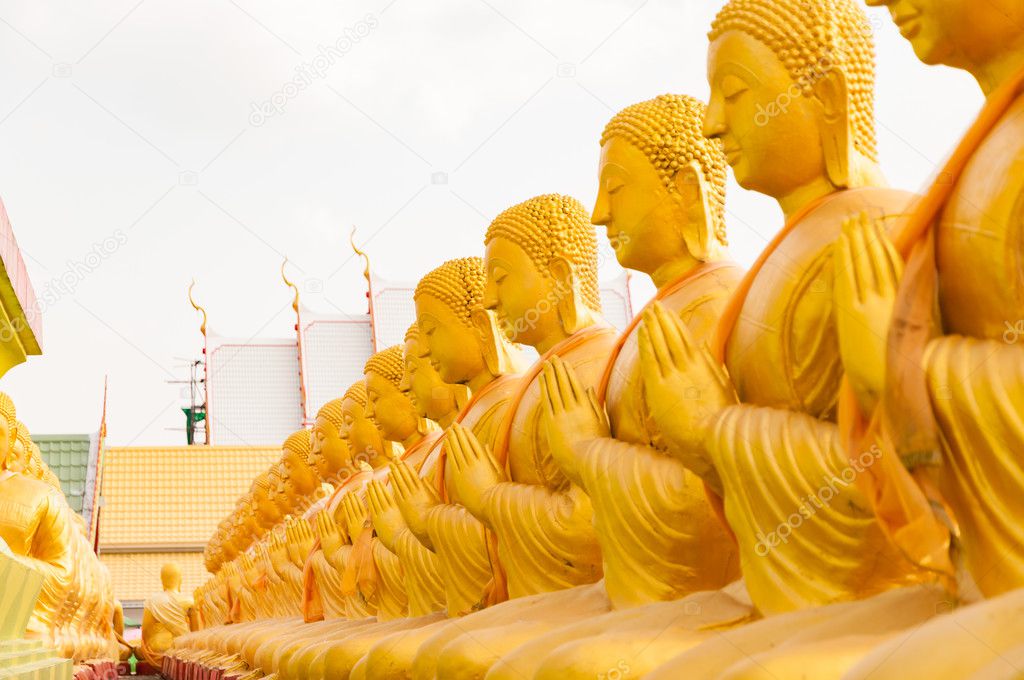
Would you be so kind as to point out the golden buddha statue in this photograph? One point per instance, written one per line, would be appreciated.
(542, 285)
(951, 408)
(301, 481)
(165, 616)
(461, 342)
(41, 532)
(433, 398)
(361, 434)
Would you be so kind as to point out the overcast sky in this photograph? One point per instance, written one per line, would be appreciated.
(146, 142)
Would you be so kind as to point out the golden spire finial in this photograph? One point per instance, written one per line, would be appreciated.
(284, 277)
(195, 305)
(360, 253)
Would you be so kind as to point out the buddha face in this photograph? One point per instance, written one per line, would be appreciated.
(329, 451)
(298, 472)
(636, 209)
(771, 138)
(360, 433)
(432, 397)
(523, 298)
(452, 347)
(389, 408)
(957, 33)
(265, 507)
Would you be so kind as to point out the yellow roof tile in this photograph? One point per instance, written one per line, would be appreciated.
(173, 496)
(136, 576)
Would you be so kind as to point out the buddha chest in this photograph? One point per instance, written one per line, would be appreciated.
(980, 238)
(19, 511)
(784, 349)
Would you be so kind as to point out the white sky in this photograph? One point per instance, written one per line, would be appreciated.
(130, 121)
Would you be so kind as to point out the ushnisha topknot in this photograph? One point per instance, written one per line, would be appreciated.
(357, 393)
(388, 364)
(811, 38)
(548, 226)
(669, 131)
(459, 284)
(299, 443)
(332, 412)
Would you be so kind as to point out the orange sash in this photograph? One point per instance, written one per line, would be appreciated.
(665, 291)
(903, 425)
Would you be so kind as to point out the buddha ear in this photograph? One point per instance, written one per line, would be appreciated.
(486, 325)
(833, 93)
(566, 295)
(693, 190)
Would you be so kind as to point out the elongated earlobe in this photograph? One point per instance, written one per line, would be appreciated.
(837, 139)
(568, 294)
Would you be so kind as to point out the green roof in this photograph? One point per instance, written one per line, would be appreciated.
(68, 457)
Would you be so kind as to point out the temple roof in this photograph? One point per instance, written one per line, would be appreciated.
(171, 498)
(71, 458)
(136, 576)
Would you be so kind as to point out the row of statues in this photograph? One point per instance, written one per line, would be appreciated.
(75, 613)
(809, 468)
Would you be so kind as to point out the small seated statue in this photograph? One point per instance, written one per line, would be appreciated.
(166, 616)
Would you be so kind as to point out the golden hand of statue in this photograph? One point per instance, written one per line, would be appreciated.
(300, 541)
(355, 515)
(570, 415)
(278, 552)
(414, 497)
(330, 535)
(684, 386)
(384, 513)
(868, 270)
(476, 471)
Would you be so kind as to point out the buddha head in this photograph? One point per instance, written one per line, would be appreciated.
(297, 463)
(446, 299)
(541, 264)
(170, 577)
(263, 501)
(792, 94)
(386, 404)
(21, 454)
(661, 193)
(329, 451)
(433, 397)
(359, 430)
(8, 430)
(964, 34)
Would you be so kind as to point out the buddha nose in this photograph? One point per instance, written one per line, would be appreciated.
(490, 300)
(714, 119)
(602, 209)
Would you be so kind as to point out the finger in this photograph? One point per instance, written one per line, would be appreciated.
(658, 344)
(647, 356)
(863, 272)
(564, 386)
(846, 278)
(677, 339)
(889, 262)
(455, 447)
(549, 389)
(471, 446)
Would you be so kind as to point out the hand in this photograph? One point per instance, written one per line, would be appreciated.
(384, 513)
(684, 386)
(868, 271)
(277, 551)
(476, 471)
(569, 415)
(300, 541)
(414, 497)
(355, 515)
(330, 534)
